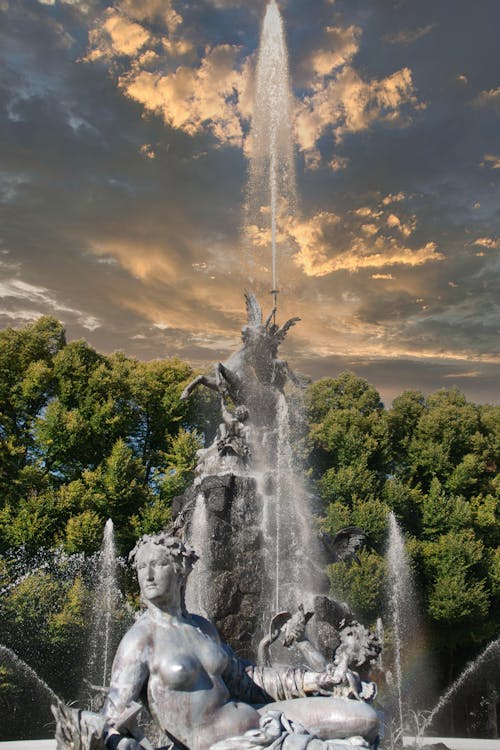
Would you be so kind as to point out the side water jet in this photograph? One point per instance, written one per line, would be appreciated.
(492, 650)
(28, 671)
(398, 582)
(105, 602)
(406, 625)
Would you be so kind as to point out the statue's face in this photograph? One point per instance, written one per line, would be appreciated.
(158, 574)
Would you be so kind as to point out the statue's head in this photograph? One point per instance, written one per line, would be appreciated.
(163, 563)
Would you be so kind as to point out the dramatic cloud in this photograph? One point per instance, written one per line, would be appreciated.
(489, 98)
(123, 129)
(43, 302)
(327, 244)
(349, 104)
(491, 160)
(190, 99)
(490, 242)
(408, 36)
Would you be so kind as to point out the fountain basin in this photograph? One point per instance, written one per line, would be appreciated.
(29, 745)
(453, 743)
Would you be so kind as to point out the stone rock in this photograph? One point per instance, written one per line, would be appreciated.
(237, 576)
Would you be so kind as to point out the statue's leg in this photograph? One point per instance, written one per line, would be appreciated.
(330, 718)
(199, 380)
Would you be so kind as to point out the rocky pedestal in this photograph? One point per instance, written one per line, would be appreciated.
(233, 560)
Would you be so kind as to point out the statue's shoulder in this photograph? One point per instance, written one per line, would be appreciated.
(205, 626)
(138, 634)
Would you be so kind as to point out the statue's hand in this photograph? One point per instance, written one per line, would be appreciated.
(330, 678)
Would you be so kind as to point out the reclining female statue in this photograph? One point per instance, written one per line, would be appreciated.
(199, 693)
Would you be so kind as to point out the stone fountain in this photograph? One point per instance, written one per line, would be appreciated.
(260, 575)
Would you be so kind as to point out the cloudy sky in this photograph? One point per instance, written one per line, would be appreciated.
(124, 139)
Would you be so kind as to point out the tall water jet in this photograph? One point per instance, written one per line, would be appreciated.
(271, 195)
(106, 597)
(407, 629)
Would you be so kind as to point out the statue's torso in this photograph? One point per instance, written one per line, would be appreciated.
(186, 693)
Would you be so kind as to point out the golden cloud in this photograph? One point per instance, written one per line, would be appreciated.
(349, 104)
(142, 262)
(315, 239)
(489, 242)
(116, 35)
(489, 98)
(394, 222)
(343, 45)
(393, 198)
(491, 160)
(191, 97)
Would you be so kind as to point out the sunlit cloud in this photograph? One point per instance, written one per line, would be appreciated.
(44, 299)
(393, 198)
(406, 229)
(457, 375)
(194, 98)
(490, 160)
(142, 262)
(343, 46)
(489, 98)
(317, 248)
(491, 243)
(337, 163)
(408, 36)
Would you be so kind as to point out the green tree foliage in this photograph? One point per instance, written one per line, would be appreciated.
(433, 461)
(84, 437)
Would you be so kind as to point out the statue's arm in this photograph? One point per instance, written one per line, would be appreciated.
(251, 684)
(129, 675)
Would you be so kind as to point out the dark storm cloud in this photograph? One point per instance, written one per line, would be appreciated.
(122, 178)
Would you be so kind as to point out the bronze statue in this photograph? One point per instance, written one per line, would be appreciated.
(197, 690)
(256, 362)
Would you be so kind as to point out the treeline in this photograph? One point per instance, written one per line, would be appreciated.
(84, 437)
(434, 462)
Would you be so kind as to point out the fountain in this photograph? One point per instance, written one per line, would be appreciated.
(249, 515)
(491, 651)
(401, 601)
(29, 672)
(263, 490)
(106, 597)
(272, 168)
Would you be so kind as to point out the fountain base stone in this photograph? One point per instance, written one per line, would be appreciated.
(232, 575)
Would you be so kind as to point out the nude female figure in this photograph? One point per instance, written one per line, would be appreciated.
(197, 691)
